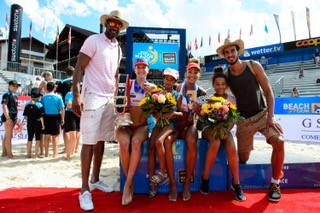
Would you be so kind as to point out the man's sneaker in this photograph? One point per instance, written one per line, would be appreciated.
(274, 192)
(204, 187)
(101, 186)
(239, 194)
(85, 201)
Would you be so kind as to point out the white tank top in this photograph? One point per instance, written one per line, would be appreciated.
(135, 97)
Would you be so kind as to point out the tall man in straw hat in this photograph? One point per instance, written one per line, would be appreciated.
(99, 59)
(246, 78)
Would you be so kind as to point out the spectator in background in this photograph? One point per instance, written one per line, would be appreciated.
(33, 112)
(264, 62)
(317, 57)
(9, 117)
(295, 93)
(43, 85)
(301, 71)
(53, 117)
(29, 87)
(63, 87)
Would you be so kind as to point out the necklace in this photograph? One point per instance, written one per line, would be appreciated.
(137, 88)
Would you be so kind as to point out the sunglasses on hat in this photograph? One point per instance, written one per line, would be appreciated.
(114, 24)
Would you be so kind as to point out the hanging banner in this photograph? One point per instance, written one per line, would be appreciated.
(15, 34)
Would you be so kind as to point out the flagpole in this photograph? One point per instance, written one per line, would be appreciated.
(57, 55)
(30, 52)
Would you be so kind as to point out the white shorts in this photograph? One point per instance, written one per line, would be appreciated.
(97, 118)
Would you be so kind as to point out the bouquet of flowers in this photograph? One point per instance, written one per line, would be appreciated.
(220, 114)
(158, 102)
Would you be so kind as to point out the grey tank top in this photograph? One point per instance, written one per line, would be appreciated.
(247, 91)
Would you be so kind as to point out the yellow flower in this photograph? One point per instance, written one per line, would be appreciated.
(217, 99)
(143, 101)
(171, 99)
(157, 89)
(232, 106)
(216, 105)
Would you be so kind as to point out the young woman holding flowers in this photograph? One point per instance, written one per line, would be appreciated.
(187, 104)
(221, 112)
(161, 141)
(131, 137)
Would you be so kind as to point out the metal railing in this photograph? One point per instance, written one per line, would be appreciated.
(278, 87)
(31, 70)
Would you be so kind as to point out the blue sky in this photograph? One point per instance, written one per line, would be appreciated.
(200, 18)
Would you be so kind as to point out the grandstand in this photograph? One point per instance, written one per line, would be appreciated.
(288, 72)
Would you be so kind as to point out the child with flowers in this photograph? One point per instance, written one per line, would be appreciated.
(162, 138)
(220, 112)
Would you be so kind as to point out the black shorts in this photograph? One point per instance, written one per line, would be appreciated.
(52, 124)
(13, 117)
(34, 129)
(71, 122)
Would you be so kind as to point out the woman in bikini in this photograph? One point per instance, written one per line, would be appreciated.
(187, 104)
(132, 137)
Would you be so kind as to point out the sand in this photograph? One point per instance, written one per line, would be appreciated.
(48, 172)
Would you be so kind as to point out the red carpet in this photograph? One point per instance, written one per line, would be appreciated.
(66, 200)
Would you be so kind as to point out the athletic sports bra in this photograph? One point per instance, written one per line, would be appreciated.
(184, 103)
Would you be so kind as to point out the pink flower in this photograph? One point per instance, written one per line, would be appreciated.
(155, 96)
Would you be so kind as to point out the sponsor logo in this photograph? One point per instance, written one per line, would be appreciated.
(308, 42)
(262, 50)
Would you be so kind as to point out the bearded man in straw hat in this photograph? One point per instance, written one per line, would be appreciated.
(246, 78)
(99, 59)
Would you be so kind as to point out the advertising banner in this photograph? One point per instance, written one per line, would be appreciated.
(263, 51)
(160, 56)
(15, 33)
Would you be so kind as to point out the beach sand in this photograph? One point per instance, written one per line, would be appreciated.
(48, 172)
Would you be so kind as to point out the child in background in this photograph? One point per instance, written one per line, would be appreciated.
(219, 83)
(34, 115)
(161, 140)
(71, 127)
(9, 117)
(53, 117)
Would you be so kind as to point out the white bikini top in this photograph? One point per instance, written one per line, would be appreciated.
(136, 94)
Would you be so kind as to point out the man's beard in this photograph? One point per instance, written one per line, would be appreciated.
(233, 63)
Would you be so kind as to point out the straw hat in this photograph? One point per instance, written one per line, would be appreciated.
(228, 43)
(116, 14)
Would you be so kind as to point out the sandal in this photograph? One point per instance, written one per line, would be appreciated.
(153, 190)
(186, 196)
(157, 178)
(173, 196)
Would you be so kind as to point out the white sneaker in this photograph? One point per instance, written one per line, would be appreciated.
(101, 186)
(85, 201)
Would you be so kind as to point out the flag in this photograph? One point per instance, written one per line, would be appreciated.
(308, 21)
(196, 44)
(7, 22)
(266, 28)
(30, 30)
(219, 38)
(44, 29)
(294, 25)
(209, 40)
(69, 36)
(189, 46)
(276, 18)
(201, 42)
(240, 33)
(57, 36)
(251, 31)
(228, 36)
